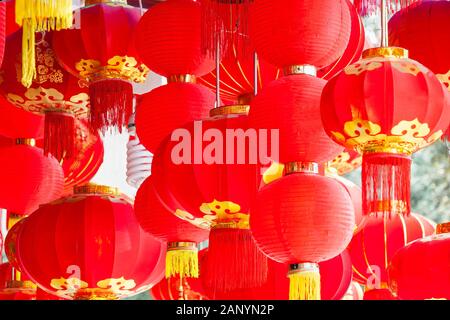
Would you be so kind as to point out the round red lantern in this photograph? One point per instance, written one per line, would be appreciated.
(306, 32)
(20, 123)
(101, 53)
(376, 242)
(420, 270)
(171, 106)
(347, 161)
(53, 92)
(87, 159)
(168, 39)
(181, 237)
(291, 105)
(210, 182)
(369, 107)
(302, 219)
(29, 177)
(336, 275)
(237, 71)
(420, 28)
(94, 247)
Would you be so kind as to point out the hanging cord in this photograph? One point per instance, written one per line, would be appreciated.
(255, 74)
(218, 71)
(141, 7)
(384, 25)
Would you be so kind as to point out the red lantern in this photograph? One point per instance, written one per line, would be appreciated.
(181, 237)
(168, 39)
(354, 192)
(420, 29)
(173, 105)
(87, 159)
(94, 247)
(196, 182)
(180, 289)
(102, 54)
(302, 219)
(421, 269)
(376, 242)
(54, 92)
(369, 107)
(20, 123)
(29, 177)
(292, 105)
(336, 275)
(14, 285)
(237, 67)
(347, 161)
(306, 32)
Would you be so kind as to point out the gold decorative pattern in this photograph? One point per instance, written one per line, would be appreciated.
(92, 188)
(40, 100)
(108, 289)
(343, 164)
(405, 66)
(301, 167)
(405, 137)
(198, 222)
(362, 66)
(445, 79)
(225, 214)
(443, 228)
(274, 172)
(239, 109)
(118, 67)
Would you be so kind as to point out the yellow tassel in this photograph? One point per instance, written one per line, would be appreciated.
(36, 16)
(182, 262)
(304, 284)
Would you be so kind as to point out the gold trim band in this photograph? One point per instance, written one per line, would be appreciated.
(385, 52)
(183, 245)
(300, 69)
(229, 110)
(443, 228)
(303, 267)
(301, 167)
(243, 225)
(182, 78)
(92, 188)
(26, 141)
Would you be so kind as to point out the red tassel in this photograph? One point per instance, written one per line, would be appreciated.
(111, 104)
(386, 184)
(229, 20)
(370, 7)
(59, 135)
(233, 261)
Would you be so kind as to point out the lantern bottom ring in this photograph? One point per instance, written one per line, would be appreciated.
(303, 267)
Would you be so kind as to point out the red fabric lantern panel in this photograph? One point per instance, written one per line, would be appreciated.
(102, 54)
(202, 187)
(88, 157)
(355, 193)
(302, 32)
(421, 29)
(302, 219)
(14, 285)
(11, 25)
(369, 107)
(181, 236)
(170, 107)
(29, 178)
(376, 242)
(94, 247)
(20, 123)
(168, 39)
(421, 270)
(54, 93)
(347, 161)
(292, 105)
